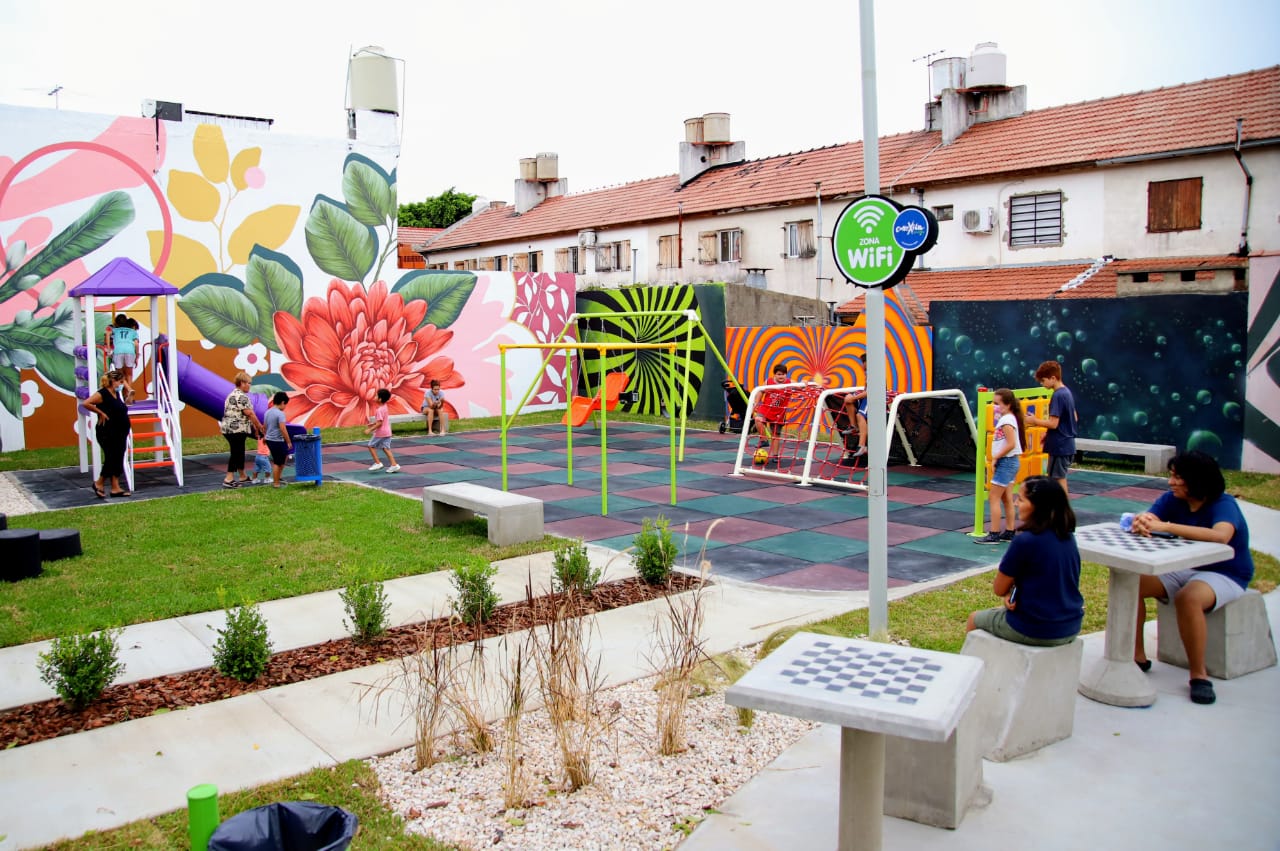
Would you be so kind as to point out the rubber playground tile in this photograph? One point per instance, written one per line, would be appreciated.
(957, 545)
(554, 511)
(907, 567)
(710, 467)
(956, 503)
(592, 527)
(1140, 493)
(662, 493)
(943, 486)
(788, 494)
(846, 504)
(916, 496)
(809, 546)
(521, 468)
(732, 530)
(1109, 505)
(934, 518)
(404, 448)
(728, 505)
(926, 471)
(425, 468)
(796, 516)
(723, 483)
(896, 533)
(553, 493)
(623, 469)
(678, 516)
(823, 577)
(745, 564)
(1088, 518)
(496, 450)
(617, 503)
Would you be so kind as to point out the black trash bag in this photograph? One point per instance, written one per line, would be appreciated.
(287, 826)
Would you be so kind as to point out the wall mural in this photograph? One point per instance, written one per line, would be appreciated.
(1262, 387)
(299, 303)
(1160, 369)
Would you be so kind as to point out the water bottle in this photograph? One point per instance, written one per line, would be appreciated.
(1126, 521)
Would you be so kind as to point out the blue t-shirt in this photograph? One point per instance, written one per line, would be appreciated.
(1173, 510)
(1046, 576)
(274, 421)
(1061, 440)
(124, 340)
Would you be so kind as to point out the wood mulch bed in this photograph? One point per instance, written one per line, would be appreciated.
(48, 719)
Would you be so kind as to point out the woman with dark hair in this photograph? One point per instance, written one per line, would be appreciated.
(1196, 507)
(1039, 576)
(111, 404)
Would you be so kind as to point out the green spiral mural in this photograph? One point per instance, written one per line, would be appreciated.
(649, 369)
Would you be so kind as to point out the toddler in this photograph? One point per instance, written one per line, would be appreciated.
(261, 463)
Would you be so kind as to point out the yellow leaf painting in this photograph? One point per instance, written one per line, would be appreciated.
(188, 260)
(210, 149)
(245, 160)
(193, 197)
(268, 228)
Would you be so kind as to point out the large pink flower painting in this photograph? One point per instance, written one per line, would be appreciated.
(351, 343)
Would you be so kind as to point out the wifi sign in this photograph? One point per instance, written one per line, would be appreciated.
(876, 240)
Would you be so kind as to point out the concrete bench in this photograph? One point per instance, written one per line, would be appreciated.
(513, 519)
(1027, 696)
(396, 419)
(1156, 456)
(1239, 640)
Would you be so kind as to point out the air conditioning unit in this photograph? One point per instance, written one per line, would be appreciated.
(586, 238)
(981, 220)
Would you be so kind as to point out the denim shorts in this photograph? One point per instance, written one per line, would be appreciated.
(1006, 470)
(379, 443)
(262, 463)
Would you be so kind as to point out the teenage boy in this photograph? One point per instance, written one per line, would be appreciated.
(1060, 439)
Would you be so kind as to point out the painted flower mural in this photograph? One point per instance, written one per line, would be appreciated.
(351, 343)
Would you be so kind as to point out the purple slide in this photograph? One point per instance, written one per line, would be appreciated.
(207, 391)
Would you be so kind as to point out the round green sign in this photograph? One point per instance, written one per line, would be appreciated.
(876, 241)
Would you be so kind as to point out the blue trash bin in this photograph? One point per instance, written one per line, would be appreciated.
(307, 458)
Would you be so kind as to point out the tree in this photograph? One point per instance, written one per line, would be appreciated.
(439, 211)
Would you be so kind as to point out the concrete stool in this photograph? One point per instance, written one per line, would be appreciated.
(1027, 696)
(4, 522)
(19, 554)
(1239, 640)
(935, 783)
(59, 543)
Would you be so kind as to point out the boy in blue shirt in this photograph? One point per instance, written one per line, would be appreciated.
(1060, 439)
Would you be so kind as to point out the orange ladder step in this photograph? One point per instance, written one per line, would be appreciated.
(144, 435)
(147, 450)
(142, 465)
(139, 419)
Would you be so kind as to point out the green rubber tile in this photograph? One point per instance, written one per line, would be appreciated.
(957, 545)
(591, 504)
(850, 505)
(727, 505)
(959, 503)
(1109, 504)
(810, 546)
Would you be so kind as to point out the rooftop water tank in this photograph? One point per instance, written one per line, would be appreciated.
(715, 128)
(693, 130)
(373, 81)
(548, 166)
(986, 67)
(528, 168)
(946, 73)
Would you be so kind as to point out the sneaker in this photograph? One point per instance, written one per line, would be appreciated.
(373, 468)
(1007, 535)
(990, 538)
(1202, 692)
(394, 468)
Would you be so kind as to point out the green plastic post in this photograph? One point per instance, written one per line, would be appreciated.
(202, 815)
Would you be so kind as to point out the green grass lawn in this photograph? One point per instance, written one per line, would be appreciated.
(162, 558)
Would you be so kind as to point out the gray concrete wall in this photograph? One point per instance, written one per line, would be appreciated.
(748, 306)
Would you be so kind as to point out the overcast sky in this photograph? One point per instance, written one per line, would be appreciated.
(605, 85)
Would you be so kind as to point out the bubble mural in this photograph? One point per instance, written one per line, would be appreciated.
(1160, 369)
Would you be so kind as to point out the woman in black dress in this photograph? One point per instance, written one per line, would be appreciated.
(111, 404)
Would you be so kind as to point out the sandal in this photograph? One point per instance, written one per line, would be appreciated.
(1144, 665)
(122, 493)
(230, 484)
(98, 491)
(1202, 692)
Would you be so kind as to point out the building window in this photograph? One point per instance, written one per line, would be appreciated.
(1035, 219)
(720, 246)
(499, 262)
(567, 260)
(945, 213)
(799, 239)
(519, 262)
(614, 256)
(459, 264)
(1174, 204)
(535, 261)
(669, 252)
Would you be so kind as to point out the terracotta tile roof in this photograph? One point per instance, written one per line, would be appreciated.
(415, 236)
(1181, 117)
(1040, 281)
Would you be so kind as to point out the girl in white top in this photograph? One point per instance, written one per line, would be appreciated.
(1006, 446)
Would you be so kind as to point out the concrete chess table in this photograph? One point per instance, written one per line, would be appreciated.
(1114, 678)
(870, 690)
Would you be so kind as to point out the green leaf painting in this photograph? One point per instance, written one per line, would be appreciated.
(109, 215)
(39, 344)
(11, 391)
(270, 382)
(370, 198)
(216, 303)
(446, 294)
(339, 244)
(272, 282)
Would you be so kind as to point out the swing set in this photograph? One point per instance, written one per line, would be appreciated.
(610, 386)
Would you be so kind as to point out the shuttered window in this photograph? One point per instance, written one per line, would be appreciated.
(723, 246)
(669, 251)
(567, 260)
(1174, 204)
(1035, 219)
(614, 256)
(519, 262)
(707, 251)
(799, 239)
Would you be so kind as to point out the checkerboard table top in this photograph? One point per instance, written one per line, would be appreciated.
(880, 688)
(1107, 543)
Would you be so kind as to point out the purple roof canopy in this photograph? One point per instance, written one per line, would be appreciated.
(123, 277)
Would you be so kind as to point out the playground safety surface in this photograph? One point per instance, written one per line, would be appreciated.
(771, 532)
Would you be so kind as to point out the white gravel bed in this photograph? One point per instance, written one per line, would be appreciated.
(638, 799)
(13, 499)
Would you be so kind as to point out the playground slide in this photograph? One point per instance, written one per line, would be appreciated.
(207, 391)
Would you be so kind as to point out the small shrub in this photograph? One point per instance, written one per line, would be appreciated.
(655, 551)
(572, 569)
(80, 667)
(366, 605)
(243, 647)
(476, 598)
